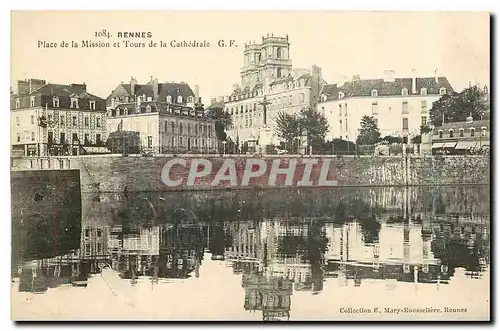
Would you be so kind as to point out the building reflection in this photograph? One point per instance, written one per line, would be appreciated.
(354, 239)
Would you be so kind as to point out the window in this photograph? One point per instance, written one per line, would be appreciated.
(461, 133)
(189, 129)
(62, 137)
(209, 129)
(340, 110)
(302, 98)
(99, 248)
(169, 99)
(18, 137)
(180, 141)
(180, 128)
(98, 122)
(423, 91)
(18, 121)
(173, 141)
(423, 105)
(86, 139)
(75, 137)
(18, 103)
(86, 121)
(472, 132)
(75, 123)
(341, 95)
(424, 120)
(32, 102)
(374, 108)
(166, 126)
(150, 98)
(440, 133)
(148, 109)
(98, 138)
(451, 133)
(150, 141)
(32, 119)
(32, 136)
(483, 131)
(74, 103)
(346, 124)
(405, 124)
(374, 93)
(442, 91)
(404, 92)
(179, 99)
(61, 120)
(190, 99)
(173, 127)
(345, 109)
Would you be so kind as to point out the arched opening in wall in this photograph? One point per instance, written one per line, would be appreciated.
(278, 72)
(279, 52)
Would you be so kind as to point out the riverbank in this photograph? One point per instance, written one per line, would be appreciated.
(134, 173)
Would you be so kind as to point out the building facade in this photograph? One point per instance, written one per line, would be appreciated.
(399, 105)
(165, 115)
(56, 119)
(269, 85)
(469, 137)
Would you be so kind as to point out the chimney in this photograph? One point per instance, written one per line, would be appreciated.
(155, 88)
(213, 101)
(133, 82)
(196, 92)
(414, 81)
(389, 76)
(436, 76)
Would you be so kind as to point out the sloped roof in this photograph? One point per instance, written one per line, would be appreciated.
(464, 125)
(64, 91)
(173, 89)
(364, 87)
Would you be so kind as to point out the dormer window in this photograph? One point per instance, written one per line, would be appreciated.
(18, 103)
(404, 92)
(55, 102)
(451, 133)
(324, 97)
(169, 99)
(461, 133)
(138, 110)
(423, 91)
(374, 93)
(440, 133)
(341, 95)
(442, 91)
(32, 102)
(150, 98)
(483, 131)
(179, 99)
(148, 109)
(125, 111)
(74, 102)
(91, 104)
(190, 99)
(472, 132)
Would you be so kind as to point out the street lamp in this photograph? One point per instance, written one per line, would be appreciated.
(224, 151)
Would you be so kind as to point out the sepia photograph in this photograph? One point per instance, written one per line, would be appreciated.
(250, 166)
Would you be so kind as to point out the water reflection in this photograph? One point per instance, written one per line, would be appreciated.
(278, 243)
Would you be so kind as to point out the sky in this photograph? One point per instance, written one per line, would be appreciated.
(341, 43)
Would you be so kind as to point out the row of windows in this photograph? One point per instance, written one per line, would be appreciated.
(143, 98)
(55, 103)
(62, 138)
(273, 104)
(472, 132)
(270, 90)
(404, 107)
(61, 121)
(404, 126)
(188, 142)
(404, 92)
(170, 127)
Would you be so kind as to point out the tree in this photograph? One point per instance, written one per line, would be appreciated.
(392, 140)
(289, 127)
(369, 133)
(223, 121)
(456, 107)
(316, 125)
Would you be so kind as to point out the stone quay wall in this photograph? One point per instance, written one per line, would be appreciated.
(116, 173)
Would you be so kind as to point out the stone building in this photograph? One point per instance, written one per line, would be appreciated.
(165, 115)
(399, 105)
(269, 85)
(467, 137)
(56, 119)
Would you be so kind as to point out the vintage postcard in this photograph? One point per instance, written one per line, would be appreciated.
(250, 166)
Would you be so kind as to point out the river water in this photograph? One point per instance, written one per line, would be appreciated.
(308, 254)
